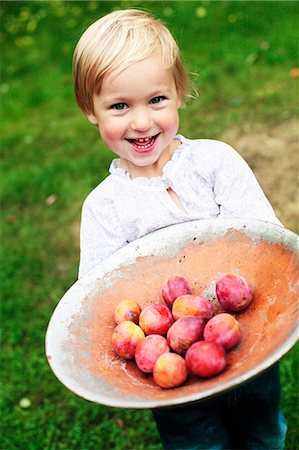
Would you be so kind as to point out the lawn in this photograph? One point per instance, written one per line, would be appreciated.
(242, 56)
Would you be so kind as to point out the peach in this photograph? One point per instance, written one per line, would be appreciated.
(127, 310)
(233, 292)
(170, 370)
(125, 338)
(206, 359)
(174, 287)
(148, 351)
(155, 319)
(184, 332)
(192, 305)
(223, 329)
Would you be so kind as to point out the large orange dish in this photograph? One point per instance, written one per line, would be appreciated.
(78, 339)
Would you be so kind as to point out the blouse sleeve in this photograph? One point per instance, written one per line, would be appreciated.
(237, 191)
(100, 235)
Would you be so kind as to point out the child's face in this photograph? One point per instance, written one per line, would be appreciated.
(136, 113)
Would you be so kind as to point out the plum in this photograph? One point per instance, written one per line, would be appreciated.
(206, 359)
(174, 287)
(184, 332)
(127, 310)
(155, 319)
(148, 351)
(223, 329)
(170, 370)
(233, 292)
(125, 338)
(192, 305)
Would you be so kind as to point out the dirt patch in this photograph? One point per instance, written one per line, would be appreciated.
(273, 155)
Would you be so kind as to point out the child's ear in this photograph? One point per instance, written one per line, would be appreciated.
(91, 118)
(179, 102)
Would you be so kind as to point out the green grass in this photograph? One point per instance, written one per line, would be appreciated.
(242, 54)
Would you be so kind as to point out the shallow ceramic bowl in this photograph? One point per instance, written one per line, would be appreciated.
(78, 340)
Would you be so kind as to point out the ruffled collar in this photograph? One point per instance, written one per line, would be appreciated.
(164, 180)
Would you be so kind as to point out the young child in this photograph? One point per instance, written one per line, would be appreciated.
(130, 83)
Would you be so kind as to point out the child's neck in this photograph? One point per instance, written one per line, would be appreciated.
(154, 170)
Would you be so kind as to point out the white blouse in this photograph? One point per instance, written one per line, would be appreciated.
(210, 178)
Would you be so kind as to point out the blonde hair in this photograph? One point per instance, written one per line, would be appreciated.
(117, 40)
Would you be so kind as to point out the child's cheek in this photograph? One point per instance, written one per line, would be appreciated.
(169, 119)
(111, 130)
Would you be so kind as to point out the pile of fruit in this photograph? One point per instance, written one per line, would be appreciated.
(184, 334)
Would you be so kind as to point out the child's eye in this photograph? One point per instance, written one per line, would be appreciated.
(157, 99)
(119, 106)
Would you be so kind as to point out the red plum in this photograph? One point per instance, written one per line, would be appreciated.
(192, 305)
(223, 329)
(206, 359)
(155, 319)
(233, 292)
(125, 338)
(148, 351)
(174, 287)
(184, 332)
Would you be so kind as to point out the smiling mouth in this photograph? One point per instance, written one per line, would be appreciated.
(143, 144)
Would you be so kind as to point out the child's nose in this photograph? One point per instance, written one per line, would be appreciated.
(141, 120)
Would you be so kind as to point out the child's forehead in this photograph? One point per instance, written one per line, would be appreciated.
(148, 72)
(121, 60)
